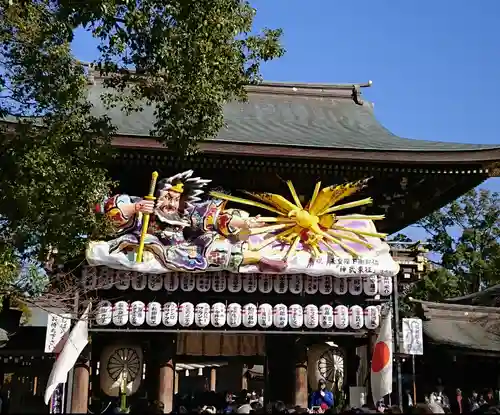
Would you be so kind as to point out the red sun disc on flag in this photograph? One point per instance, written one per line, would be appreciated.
(381, 356)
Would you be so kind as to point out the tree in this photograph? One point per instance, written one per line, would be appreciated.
(464, 245)
(190, 58)
(53, 151)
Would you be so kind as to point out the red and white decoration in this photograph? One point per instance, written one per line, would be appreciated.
(235, 315)
(381, 370)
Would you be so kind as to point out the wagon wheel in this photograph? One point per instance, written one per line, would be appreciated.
(124, 361)
(330, 364)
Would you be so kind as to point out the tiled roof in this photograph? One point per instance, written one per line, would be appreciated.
(293, 115)
(463, 326)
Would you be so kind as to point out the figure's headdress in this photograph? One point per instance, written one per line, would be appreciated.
(190, 187)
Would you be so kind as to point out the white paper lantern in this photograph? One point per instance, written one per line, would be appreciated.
(340, 285)
(265, 283)
(186, 314)
(202, 315)
(325, 284)
(218, 315)
(122, 280)
(370, 285)
(187, 281)
(250, 283)
(170, 314)
(326, 316)
(372, 317)
(355, 285)
(296, 283)
(265, 315)
(295, 316)
(137, 314)
(356, 318)
(311, 284)
(234, 282)
(280, 283)
(385, 286)
(120, 313)
(280, 316)
(154, 314)
(106, 277)
(219, 282)
(89, 278)
(341, 317)
(311, 316)
(139, 281)
(233, 318)
(155, 282)
(104, 313)
(171, 281)
(249, 315)
(203, 282)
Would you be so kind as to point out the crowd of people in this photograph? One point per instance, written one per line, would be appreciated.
(322, 401)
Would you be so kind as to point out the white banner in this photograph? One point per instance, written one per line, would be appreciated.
(58, 326)
(73, 346)
(413, 336)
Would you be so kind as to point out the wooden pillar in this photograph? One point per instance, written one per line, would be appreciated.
(166, 380)
(301, 395)
(213, 378)
(81, 381)
(176, 382)
(280, 368)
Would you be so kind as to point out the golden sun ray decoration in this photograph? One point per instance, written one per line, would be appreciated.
(315, 224)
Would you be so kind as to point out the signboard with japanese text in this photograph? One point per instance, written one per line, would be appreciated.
(413, 337)
(58, 326)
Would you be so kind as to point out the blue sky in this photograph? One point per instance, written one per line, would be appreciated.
(435, 65)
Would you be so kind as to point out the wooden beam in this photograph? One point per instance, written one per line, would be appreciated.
(388, 156)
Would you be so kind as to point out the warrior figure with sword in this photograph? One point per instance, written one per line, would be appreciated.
(184, 233)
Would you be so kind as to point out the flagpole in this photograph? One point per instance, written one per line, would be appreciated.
(414, 379)
(397, 336)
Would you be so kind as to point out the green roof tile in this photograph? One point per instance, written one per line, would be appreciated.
(278, 114)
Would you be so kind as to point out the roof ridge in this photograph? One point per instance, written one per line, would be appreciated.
(309, 89)
(316, 85)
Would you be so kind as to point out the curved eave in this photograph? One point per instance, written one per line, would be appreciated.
(487, 155)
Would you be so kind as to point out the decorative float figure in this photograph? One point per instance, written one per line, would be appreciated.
(180, 232)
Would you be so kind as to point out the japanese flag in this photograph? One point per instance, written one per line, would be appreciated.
(77, 340)
(381, 370)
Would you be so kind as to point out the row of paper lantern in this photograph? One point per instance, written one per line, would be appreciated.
(248, 283)
(235, 315)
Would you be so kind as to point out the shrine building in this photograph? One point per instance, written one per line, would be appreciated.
(278, 331)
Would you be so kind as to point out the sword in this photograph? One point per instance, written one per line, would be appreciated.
(145, 217)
